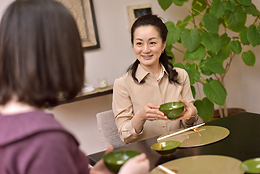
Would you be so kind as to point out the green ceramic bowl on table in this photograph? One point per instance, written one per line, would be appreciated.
(114, 160)
(172, 109)
(166, 148)
(251, 165)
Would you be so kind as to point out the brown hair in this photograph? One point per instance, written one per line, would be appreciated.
(41, 56)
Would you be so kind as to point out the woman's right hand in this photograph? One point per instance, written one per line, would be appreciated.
(136, 165)
(150, 112)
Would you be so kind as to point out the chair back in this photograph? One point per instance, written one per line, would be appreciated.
(108, 130)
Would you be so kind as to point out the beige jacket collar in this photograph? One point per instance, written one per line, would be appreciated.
(141, 73)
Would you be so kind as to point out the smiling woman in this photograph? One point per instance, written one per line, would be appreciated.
(150, 81)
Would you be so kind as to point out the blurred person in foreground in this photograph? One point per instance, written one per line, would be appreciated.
(41, 59)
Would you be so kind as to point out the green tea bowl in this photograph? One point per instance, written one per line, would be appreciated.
(166, 148)
(114, 160)
(172, 109)
(251, 165)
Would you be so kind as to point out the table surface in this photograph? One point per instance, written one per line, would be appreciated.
(242, 143)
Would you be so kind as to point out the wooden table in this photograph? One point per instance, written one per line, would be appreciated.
(242, 143)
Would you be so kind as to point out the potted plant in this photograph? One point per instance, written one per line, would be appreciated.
(211, 35)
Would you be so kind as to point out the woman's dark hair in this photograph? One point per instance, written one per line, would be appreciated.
(41, 56)
(155, 21)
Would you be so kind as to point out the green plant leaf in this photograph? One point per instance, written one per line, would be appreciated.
(184, 23)
(191, 39)
(193, 91)
(169, 25)
(210, 53)
(221, 21)
(249, 58)
(179, 65)
(214, 66)
(192, 71)
(165, 4)
(212, 42)
(194, 65)
(197, 55)
(210, 22)
(245, 2)
(204, 70)
(215, 92)
(233, 1)
(224, 39)
(223, 54)
(253, 35)
(205, 108)
(179, 2)
(236, 47)
(174, 33)
(194, 74)
(235, 21)
(218, 8)
(198, 6)
(243, 37)
(251, 10)
(231, 5)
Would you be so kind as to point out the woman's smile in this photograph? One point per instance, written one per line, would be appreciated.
(147, 57)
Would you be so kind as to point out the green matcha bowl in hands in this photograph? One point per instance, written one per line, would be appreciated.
(172, 110)
(115, 159)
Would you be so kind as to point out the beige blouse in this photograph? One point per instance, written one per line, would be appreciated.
(129, 97)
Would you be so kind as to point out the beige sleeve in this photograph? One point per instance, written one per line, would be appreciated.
(123, 110)
(197, 121)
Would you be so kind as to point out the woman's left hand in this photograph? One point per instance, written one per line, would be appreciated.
(190, 110)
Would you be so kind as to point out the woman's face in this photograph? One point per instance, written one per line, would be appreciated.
(148, 45)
